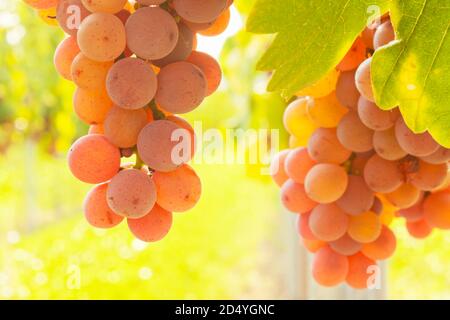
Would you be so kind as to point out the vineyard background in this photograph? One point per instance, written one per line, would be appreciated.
(237, 243)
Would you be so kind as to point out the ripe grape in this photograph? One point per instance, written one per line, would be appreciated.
(382, 248)
(218, 26)
(131, 193)
(294, 197)
(70, 14)
(404, 196)
(152, 33)
(65, 53)
(365, 227)
(413, 213)
(357, 198)
(359, 275)
(329, 268)
(277, 168)
(375, 118)
(152, 227)
(323, 87)
(429, 176)
(93, 159)
(42, 4)
(210, 68)
(102, 37)
(328, 222)
(190, 137)
(441, 155)
(89, 74)
(182, 86)
(419, 229)
(91, 106)
(382, 175)
(131, 83)
(346, 91)
(363, 80)
(384, 34)
(182, 50)
(386, 145)
(346, 246)
(416, 144)
(106, 6)
(178, 190)
(324, 147)
(326, 112)
(326, 183)
(122, 127)
(436, 210)
(313, 245)
(377, 206)
(97, 211)
(297, 121)
(199, 11)
(297, 164)
(156, 146)
(303, 226)
(354, 56)
(353, 134)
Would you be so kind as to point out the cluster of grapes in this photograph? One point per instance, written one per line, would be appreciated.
(135, 66)
(353, 167)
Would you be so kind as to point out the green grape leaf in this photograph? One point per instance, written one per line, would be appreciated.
(414, 71)
(311, 36)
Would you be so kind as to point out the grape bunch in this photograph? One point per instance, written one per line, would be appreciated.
(352, 168)
(136, 69)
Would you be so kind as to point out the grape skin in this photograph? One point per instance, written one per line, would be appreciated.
(277, 168)
(105, 6)
(151, 33)
(294, 197)
(405, 196)
(416, 144)
(297, 164)
(353, 134)
(65, 53)
(364, 228)
(200, 11)
(328, 222)
(441, 155)
(326, 112)
(89, 74)
(155, 145)
(67, 18)
(375, 118)
(429, 176)
(210, 68)
(97, 211)
(326, 183)
(384, 34)
(382, 175)
(182, 87)
(382, 248)
(358, 267)
(182, 50)
(357, 198)
(179, 190)
(324, 147)
(93, 159)
(122, 127)
(131, 83)
(152, 227)
(218, 26)
(131, 193)
(386, 145)
(92, 107)
(346, 91)
(329, 268)
(354, 56)
(346, 246)
(363, 80)
(101, 37)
